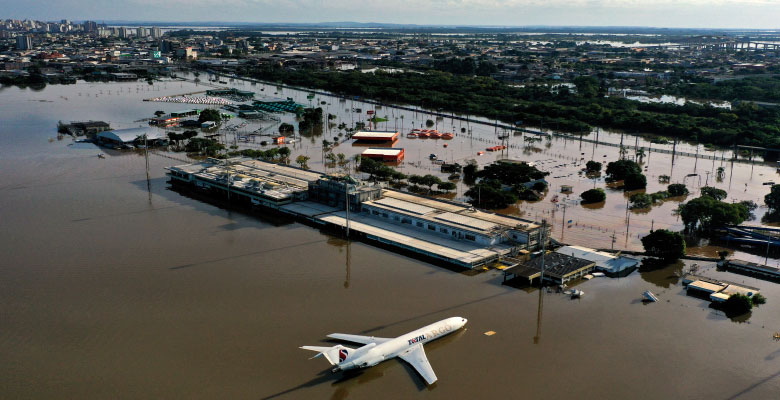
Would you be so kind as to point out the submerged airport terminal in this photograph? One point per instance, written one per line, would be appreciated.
(447, 231)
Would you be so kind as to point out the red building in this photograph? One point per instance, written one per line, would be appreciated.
(390, 155)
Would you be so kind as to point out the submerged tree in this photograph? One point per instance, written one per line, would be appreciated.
(664, 244)
(303, 161)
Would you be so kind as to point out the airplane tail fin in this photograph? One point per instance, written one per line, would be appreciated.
(334, 355)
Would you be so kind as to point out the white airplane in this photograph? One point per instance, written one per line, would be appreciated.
(408, 347)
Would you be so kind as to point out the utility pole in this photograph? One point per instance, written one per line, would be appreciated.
(346, 193)
(544, 242)
(148, 181)
(563, 220)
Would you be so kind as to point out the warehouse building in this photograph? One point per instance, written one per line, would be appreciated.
(388, 155)
(455, 221)
(376, 136)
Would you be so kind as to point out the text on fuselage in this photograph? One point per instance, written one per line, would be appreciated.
(417, 339)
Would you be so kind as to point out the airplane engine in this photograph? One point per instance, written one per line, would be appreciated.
(372, 361)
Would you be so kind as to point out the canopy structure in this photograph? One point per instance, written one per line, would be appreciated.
(127, 136)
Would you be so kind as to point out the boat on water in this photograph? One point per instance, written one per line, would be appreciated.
(496, 148)
(101, 155)
(576, 293)
(435, 135)
(412, 135)
(447, 135)
(423, 134)
(649, 296)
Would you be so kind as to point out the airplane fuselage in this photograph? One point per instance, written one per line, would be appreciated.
(373, 354)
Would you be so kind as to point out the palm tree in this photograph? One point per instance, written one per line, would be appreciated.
(331, 158)
(640, 154)
(720, 172)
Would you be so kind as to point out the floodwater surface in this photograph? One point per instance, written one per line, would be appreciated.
(114, 286)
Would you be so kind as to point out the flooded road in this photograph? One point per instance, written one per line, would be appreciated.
(115, 286)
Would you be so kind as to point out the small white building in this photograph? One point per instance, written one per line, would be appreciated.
(606, 262)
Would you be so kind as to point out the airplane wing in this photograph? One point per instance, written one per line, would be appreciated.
(358, 338)
(417, 359)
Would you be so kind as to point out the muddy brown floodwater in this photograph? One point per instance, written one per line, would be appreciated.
(114, 286)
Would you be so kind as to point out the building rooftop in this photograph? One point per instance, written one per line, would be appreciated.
(261, 178)
(375, 135)
(603, 260)
(393, 151)
(503, 221)
(555, 264)
(131, 134)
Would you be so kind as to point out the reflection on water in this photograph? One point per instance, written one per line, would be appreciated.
(191, 296)
(660, 273)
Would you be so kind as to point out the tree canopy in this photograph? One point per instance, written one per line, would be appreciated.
(593, 196)
(715, 193)
(620, 169)
(677, 189)
(664, 244)
(592, 166)
(707, 213)
(210, 114)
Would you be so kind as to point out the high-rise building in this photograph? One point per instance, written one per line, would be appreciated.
(90, 26)
(23, 42)
(156, 32)
(123, 32)
(141, 32)
(165, 46)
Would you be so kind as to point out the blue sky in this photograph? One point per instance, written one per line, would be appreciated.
(758, 14)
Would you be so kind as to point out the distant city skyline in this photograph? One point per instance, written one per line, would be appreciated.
(747, 14)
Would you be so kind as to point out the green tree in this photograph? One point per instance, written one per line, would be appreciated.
(715, 193)
(640, 154)
(720, 172)
(511, 173)
(640, 201)
(330, 158)
(286, 129)
(634, 182)
(593, 196)
(303, 161)
(707, 213)
(619, 170)
(210, 114)
(737, 304)
(664, 244)
(470, 171)
(592, 167)
(677, 189)
(772, 200)
(446, 186)
(284, 153)
(490, 195)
